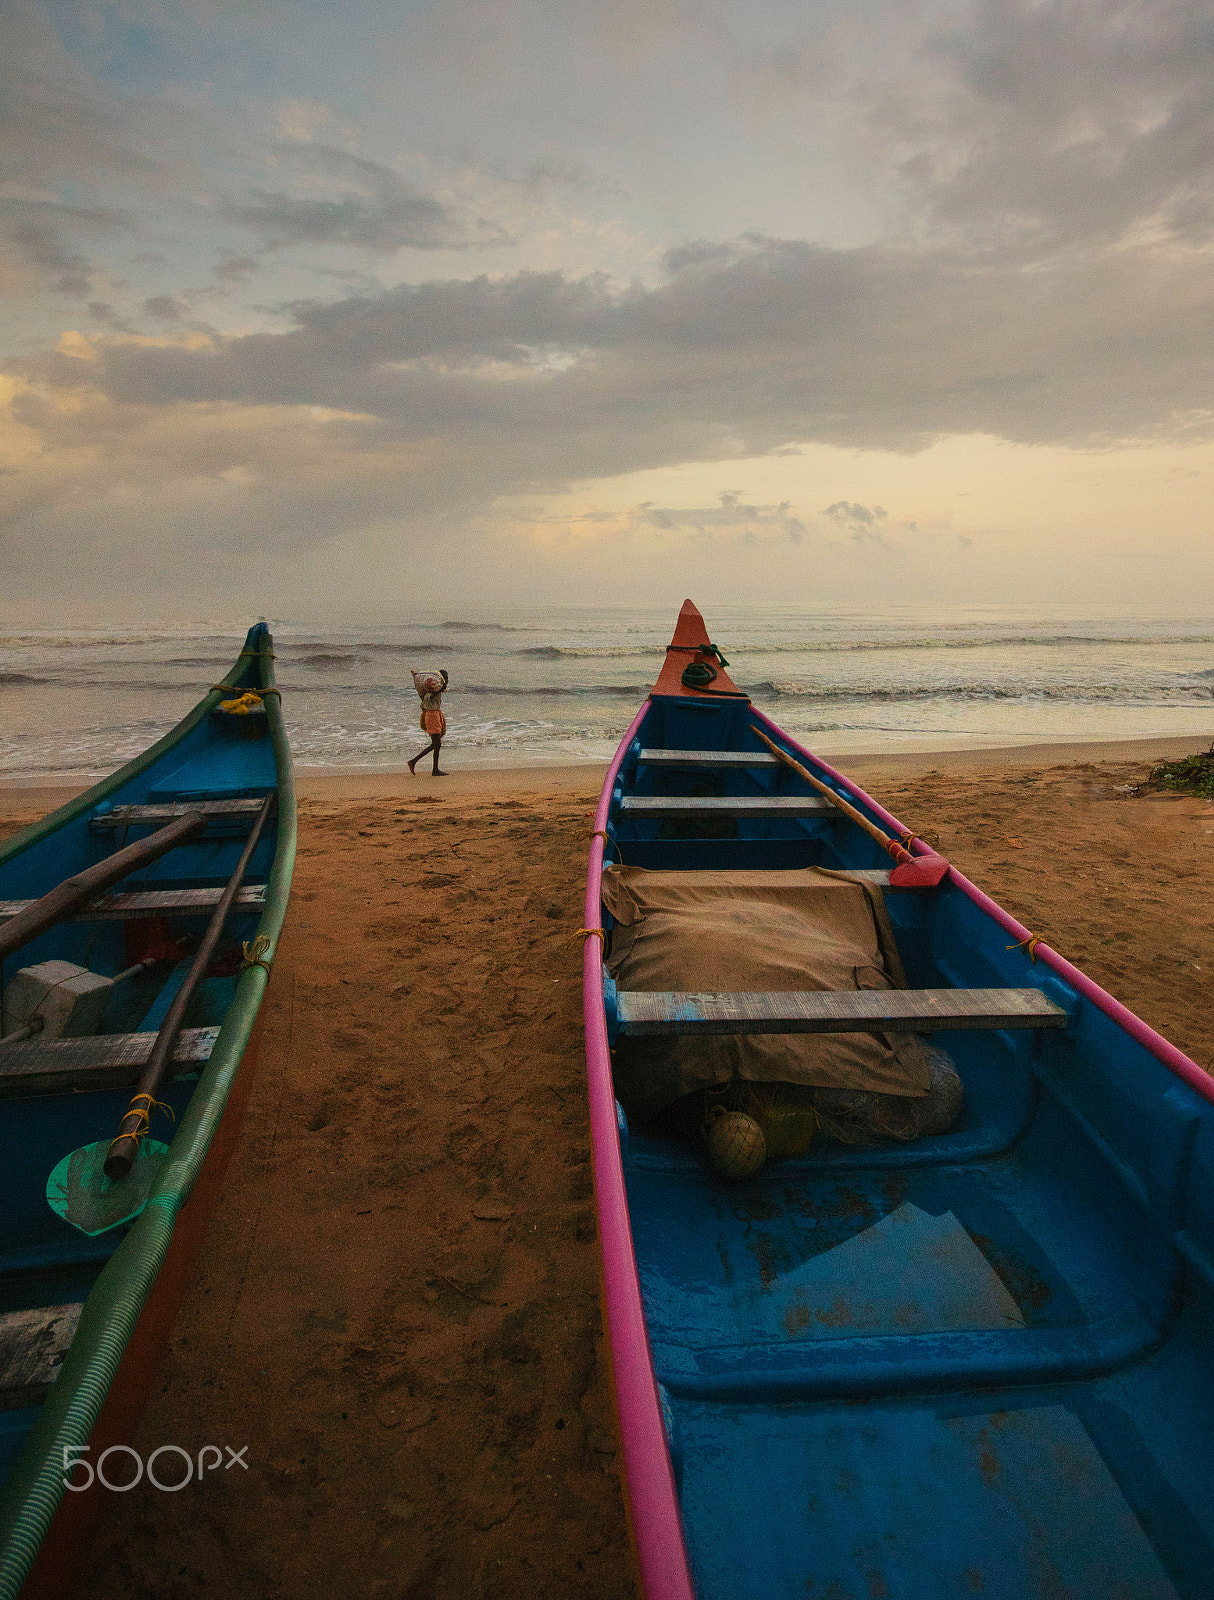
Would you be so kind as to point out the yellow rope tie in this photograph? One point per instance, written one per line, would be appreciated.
(1028, 945)
(589, 933)
(601, 833)
(907, 839)
(144, 1114)
(254, 953)
(231, 688)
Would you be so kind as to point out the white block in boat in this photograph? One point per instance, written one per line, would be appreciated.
(69, 999)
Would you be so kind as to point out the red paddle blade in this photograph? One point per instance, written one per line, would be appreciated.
(924, 872)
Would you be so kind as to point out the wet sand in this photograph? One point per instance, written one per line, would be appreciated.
(396, 1307)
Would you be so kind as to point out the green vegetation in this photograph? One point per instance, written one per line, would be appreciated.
(1189, 775)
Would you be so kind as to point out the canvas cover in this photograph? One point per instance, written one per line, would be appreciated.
(754, 932)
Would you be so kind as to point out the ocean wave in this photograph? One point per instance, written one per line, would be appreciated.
(433, 647)
(590, 652)
(21, 677)
(636, 691)
(739, 649)
(476, 627)
(325, 658)
(211, 663)
(1073, 693)
(1034, 641)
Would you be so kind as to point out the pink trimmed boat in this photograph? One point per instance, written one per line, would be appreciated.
(974, 1362)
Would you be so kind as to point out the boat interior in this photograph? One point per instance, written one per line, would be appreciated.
(974, 1364)
(69, 1082)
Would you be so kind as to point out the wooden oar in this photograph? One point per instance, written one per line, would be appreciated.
(75, 892)
(125, 1148)
(912, 872)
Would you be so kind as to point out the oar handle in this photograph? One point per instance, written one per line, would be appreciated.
(76, 891)
(134, 1125)
(896, 850)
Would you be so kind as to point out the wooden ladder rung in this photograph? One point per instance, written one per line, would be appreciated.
(836, 1011)
(33, 1344)
(97, 1061)
(708, 758)
(157, 813)
(153, 903)
(747, 805)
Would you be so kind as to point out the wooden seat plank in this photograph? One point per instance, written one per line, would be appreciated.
(836, 1011)
(153, 903)
(97, 1061)
(159, 812)
(746, 805)
(33, 1344)
(707, 758)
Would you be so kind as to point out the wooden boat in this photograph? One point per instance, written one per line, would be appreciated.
(87, 1309)
(976, 1363)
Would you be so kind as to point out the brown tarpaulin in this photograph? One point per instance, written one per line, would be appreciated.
(754, 931)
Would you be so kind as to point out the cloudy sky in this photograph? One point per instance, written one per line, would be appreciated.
(340, 310)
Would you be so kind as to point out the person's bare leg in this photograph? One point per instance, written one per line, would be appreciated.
(437, 746)
(431, 746)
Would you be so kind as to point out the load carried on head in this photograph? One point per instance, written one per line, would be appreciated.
(751, 1096)
(430, 687)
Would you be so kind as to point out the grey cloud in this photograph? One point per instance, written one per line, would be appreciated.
(849, 511)
(377, 210)
(33, 233)
(1016, 122)
(862, 523)
(786, 341)
(235, 269)
(164, 308)
(732, 514)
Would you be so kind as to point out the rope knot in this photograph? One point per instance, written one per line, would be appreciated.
(1029, 946)
(254, 954)
(589, 933)
(143, 1116)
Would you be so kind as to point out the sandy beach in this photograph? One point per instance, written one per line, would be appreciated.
(397, 1304)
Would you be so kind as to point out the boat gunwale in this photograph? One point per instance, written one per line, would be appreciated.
(35, 1488)
(655, 1521)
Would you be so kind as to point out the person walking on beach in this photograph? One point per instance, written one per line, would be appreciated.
(430, 686)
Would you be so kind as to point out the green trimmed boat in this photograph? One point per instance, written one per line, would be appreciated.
(138, 926)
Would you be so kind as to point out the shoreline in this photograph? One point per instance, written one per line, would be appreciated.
(371, 783)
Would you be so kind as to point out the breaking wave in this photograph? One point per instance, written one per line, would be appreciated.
(1024, 693)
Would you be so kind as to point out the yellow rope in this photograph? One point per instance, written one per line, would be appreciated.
(231, 688)
(1028, 945)
(144, 1116)
(254, 953)
(601, 833)
(590, 933)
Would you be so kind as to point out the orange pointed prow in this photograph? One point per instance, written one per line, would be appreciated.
(690, 643)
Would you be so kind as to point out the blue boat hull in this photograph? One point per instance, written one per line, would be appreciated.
(129, 1280)
(978, 1364)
